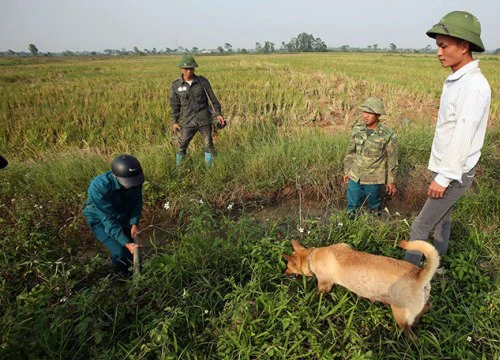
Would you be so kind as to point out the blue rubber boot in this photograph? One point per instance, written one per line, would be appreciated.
(208, 159)
(178, 160)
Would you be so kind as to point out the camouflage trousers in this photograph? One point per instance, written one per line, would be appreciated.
(187, 134)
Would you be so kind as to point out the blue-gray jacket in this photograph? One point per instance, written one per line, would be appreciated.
(112, 205)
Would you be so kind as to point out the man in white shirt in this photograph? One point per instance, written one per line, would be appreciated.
(460, 128)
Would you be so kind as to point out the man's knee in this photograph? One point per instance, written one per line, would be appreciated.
(184, 139)
(374, 201)
(182, 147)
(420, 229)
(354, 195)
(120, 252)
(373, 196)
(122, 263)
(208, 141)
(99, 232)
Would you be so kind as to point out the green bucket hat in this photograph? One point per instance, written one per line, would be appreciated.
(461, 25)
(187, 62)
(373, 105)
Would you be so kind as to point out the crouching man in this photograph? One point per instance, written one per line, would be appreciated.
(113, 209)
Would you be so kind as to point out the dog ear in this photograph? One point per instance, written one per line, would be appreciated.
(296, 245)
(286, 257)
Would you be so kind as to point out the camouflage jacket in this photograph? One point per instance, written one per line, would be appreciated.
(371, 159)
(190, 103)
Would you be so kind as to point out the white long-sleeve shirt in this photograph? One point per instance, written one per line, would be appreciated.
(461, 125)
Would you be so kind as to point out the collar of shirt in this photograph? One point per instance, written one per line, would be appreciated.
(195, 79)
(463, 70)
(114, 181)
(376, 129)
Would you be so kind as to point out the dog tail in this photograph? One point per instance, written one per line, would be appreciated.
(430, 253)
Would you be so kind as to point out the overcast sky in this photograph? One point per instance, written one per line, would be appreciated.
(57, 25)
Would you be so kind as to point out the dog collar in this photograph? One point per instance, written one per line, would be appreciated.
(309, 260)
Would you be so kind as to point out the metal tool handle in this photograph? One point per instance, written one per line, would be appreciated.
(137, 258)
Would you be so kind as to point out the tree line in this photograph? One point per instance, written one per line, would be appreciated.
(303, 42)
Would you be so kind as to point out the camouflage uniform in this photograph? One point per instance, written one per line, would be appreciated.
(371, 160)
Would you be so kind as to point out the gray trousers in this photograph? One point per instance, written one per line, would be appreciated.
(187, 134)
(436, 214)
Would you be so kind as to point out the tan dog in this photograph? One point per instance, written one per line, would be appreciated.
(402, 285)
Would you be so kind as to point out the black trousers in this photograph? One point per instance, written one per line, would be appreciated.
(187, 134)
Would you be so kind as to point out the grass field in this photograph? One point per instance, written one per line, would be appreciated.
(212, 284)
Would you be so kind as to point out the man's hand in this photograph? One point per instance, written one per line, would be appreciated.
(220, 119)
(436, 191)
(131, 247)
(134, 231)
(176, 127)
(346, 179)
(390, 188)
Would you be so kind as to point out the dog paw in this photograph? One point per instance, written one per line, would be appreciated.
(323, 290)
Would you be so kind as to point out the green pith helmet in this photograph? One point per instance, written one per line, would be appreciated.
(373, 105)
(461, 25)
(187, 62)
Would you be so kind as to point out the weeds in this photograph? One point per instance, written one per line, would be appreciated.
(218, 292)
